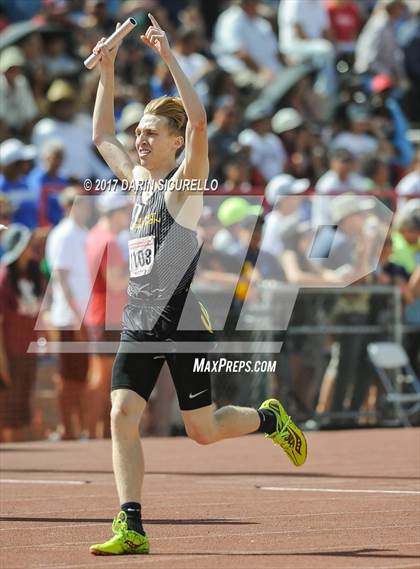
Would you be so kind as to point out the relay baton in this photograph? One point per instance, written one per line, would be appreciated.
(112, 41)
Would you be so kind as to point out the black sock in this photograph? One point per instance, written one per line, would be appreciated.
(133, 511)
(268, 421)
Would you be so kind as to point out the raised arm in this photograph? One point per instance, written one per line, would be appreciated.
(196, 162)
(104, 137)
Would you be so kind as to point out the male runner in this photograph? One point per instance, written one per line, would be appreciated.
(163, 255)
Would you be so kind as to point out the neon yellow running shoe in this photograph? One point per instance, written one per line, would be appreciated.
(124, 542)
(287, 434)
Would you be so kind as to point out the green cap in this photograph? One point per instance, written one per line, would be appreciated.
(235, 209)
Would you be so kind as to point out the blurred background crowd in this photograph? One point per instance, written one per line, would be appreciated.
(313, 110)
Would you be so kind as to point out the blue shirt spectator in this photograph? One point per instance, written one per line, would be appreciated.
(47, 188)
(46, 184)
(12, 182)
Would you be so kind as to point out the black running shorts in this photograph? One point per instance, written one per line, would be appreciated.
(139, 370)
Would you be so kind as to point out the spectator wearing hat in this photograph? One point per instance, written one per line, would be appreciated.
(406, 253)
(286, 120)
(357, 138)
(267, 153)
(13, 153)
(64, 124)
(305, 34)
(45, 182)
(245, 45)
(300, 141)
(349, 254)
(339, 179)
(282, 194)
(70, 282)
(230, 212)
(348, 212)
(377, 48)
(18, 108)
(298, 267)
(406, 236)
(130, 118)
(108, 269)
(21, 289)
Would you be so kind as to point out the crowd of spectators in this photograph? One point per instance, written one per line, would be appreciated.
(308, 101)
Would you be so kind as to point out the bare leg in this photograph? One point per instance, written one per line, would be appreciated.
(127, 452)
(207, 426)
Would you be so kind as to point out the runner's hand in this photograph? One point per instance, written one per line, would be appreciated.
(107, 56)
(156, 39)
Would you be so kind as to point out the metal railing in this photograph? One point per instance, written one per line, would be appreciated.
(262, 314)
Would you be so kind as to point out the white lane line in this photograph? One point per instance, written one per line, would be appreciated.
(247, 535)
(17, 481)
(335, 490)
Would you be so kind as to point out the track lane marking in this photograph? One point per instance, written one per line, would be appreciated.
(36, 481)
(335, 490)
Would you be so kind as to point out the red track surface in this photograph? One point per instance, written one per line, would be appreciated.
(202, 507)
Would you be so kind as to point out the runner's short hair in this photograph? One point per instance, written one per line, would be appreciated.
(171, 108)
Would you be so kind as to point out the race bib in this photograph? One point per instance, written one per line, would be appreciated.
(141, 255)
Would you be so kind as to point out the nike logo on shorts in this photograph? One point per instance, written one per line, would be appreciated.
(191, 396)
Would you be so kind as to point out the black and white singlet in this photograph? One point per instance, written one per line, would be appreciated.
(163, 256)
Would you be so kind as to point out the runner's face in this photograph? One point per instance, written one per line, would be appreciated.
(155, 142)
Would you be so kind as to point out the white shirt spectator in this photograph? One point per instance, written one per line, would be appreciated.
(234, 31)
(310, 15)
(267, 152)
(358, 144)
(408, 187)
(330, 182)
(193, 65)
(66, 250)
(377, 49)
(275, 225)
(79, 160)
(17, 104)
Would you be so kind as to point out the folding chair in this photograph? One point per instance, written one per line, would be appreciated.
(401, 384)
